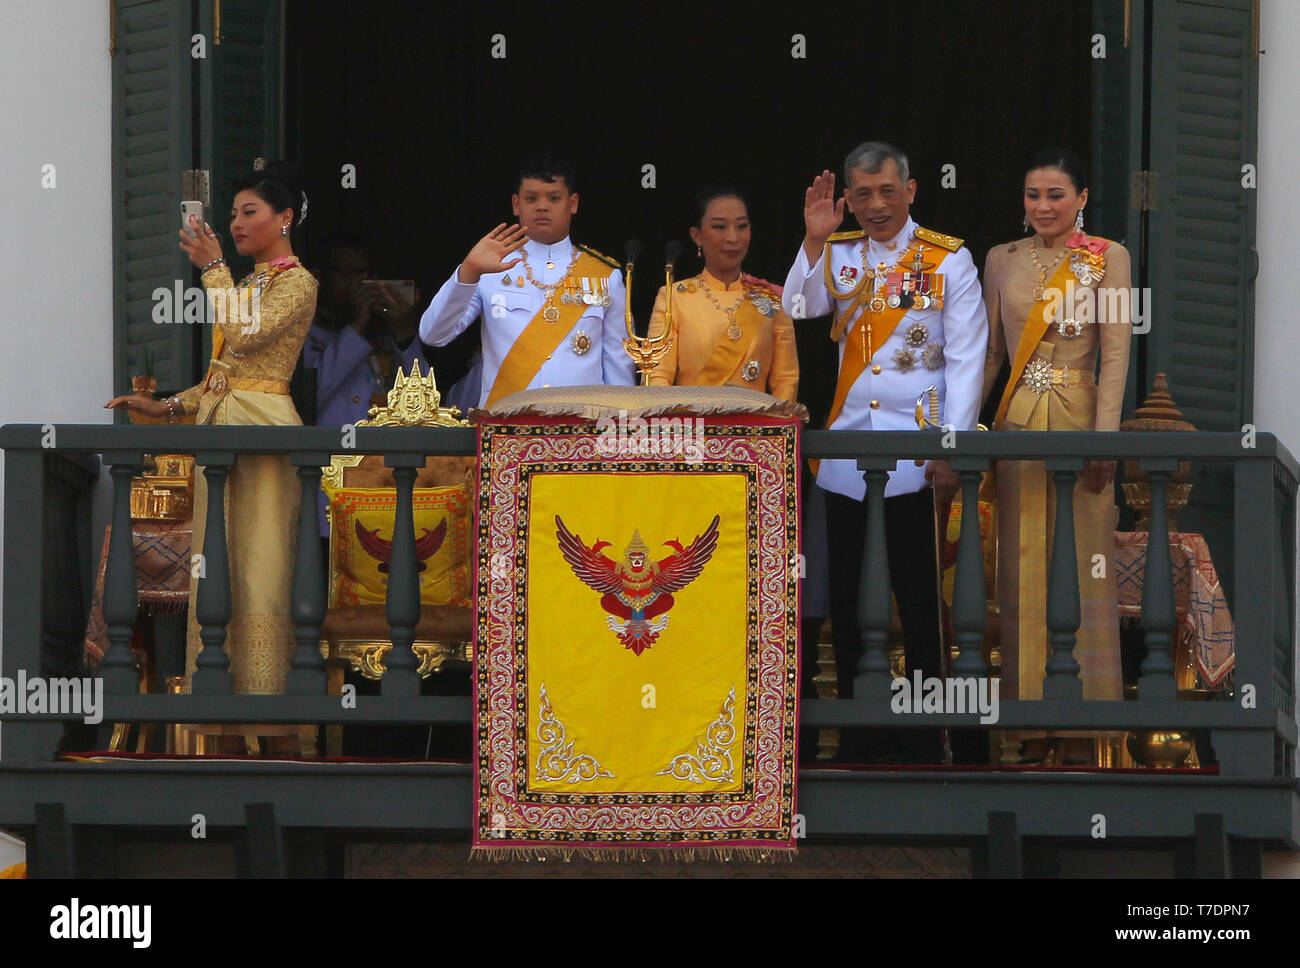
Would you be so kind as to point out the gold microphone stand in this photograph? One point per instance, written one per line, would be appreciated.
(647, 351)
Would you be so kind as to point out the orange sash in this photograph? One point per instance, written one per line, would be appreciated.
(883, 324)
(540, 338)
(1036, 326)
(726, 355)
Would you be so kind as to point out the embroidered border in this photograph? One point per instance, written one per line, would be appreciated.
(511, 451)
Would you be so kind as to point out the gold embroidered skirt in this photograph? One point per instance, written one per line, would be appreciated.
(1026, 524)
(262, 499)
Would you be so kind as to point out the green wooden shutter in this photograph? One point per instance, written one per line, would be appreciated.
(151, 147)
(1204, 98)
(239, 106)
(1202, 263)
(1116, 122)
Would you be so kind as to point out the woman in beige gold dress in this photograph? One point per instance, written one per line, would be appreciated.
(259, 329)
(728, 327)
(1042, 293)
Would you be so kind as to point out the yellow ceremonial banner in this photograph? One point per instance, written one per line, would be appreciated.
(637, 689)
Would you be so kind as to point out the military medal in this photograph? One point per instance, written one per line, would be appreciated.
(763, 303)
(1069, 328)
(932, 358)
(917, 334)
(1082, 268)
(750, 371)
(581, 342)
(904, 359)
(550, 314)
(847, 275)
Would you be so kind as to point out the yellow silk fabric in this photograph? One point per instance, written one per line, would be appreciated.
(634, 713)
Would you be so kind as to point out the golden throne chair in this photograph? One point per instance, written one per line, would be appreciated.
(355, 633)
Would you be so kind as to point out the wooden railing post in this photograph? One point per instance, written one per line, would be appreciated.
(968, 597)
(401, 677)
(121, 600)
(873, 678)
(212, 600)
(1062, 680)
(1156, 680)
(307, 607)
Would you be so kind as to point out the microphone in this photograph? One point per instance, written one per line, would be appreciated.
(672, 251)
(631, 251)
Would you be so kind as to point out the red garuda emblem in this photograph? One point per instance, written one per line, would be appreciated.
(381, 549)
(637, 592)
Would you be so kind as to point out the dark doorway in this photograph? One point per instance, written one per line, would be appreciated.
(411, 95)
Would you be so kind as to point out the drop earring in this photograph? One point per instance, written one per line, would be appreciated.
(284, 231)
(699, 252)
(1078, 220)
(1026, 223)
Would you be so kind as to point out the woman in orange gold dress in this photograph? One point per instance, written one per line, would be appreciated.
(728, 327)
(259, 329)
(1047, 301)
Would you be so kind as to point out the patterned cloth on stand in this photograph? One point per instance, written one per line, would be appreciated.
(1198, 598)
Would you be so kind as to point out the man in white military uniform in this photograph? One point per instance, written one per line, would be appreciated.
(552, 316)
(908, 314)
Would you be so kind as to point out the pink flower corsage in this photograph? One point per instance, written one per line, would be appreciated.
(1080, 241)
(749, 280)
(282, 263)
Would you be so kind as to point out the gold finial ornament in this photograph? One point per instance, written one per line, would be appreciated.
(414, 401)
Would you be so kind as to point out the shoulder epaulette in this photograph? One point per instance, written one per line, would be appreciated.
(949, 242)
(599, 255)
(845, 236)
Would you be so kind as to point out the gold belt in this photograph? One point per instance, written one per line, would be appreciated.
(1040, 375)
(220, 383)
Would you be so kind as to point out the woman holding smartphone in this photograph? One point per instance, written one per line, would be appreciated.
(259, 328)
(728, 327)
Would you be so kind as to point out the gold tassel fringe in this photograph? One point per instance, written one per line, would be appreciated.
(668, 855)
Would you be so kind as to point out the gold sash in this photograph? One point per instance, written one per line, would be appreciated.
(540, 338)
(1036, 326)
(727, 354)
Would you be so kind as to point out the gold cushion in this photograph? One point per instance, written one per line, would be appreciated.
(361, 532)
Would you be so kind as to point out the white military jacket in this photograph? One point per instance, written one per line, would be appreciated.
(951, 356)
(507, 309)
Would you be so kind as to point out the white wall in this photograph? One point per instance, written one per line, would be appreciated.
(1277, 328)
(56, 320)
(1277, 389)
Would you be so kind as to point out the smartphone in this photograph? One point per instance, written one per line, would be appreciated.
(189, 208)
(403, 289)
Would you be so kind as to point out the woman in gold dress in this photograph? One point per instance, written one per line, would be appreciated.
(259, 329)
(1042, 299)
(728, 327)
